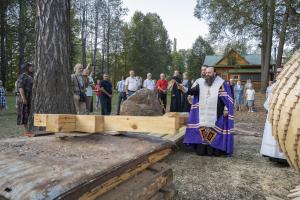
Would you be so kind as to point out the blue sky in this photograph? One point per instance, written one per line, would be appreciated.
(177, 15)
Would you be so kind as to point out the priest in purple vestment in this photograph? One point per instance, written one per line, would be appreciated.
(211, 123)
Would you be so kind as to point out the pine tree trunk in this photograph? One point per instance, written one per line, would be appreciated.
(3, 64)
(96, 35)
(83, 34)
(268, 44)
(108, 38)
(52, 92)
(21, 33)
(282, 39)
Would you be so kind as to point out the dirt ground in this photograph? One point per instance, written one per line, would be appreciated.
(244, 175)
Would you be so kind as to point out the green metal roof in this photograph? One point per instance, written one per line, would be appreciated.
(252, 59)
(237, 71)
(212, 59)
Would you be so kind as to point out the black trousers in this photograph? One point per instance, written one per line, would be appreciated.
(163, 99)
(121, 97)
(105, 105)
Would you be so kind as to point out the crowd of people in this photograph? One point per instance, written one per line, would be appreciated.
(210, 100)
(83, 86)
(243, 95)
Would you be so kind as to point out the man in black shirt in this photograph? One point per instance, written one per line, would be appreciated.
(106, 95)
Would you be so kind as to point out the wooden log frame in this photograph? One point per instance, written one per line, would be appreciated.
(84, 167)
(167, 124)
(101, 185)
(155, 179)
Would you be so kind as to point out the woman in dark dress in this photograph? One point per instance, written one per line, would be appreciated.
(186, 106)
(24, 85)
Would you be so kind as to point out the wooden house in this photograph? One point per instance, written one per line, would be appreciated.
(235, 66)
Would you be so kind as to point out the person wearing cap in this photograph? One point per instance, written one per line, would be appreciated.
(24, 86)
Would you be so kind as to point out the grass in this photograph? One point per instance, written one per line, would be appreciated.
(8, 118)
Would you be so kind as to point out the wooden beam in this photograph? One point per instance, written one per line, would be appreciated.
(40, 120)
(167, 124)
(60, 123)
(89, 123)
(163, 124)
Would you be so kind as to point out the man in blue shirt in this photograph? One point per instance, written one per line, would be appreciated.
(122, 93)
(106, 95)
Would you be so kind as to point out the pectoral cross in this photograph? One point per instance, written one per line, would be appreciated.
(208, 93)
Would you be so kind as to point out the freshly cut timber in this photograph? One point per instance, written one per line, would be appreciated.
(167, 124)
(284, 112)
(74, 168)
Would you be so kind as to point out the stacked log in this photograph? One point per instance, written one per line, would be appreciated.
(284, 112)
(88, 167)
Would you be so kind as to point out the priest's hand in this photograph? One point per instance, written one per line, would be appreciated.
(190, 99)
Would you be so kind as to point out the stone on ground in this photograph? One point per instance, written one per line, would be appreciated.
(142, 103)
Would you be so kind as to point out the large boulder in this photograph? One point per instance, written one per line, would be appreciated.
(142, 103)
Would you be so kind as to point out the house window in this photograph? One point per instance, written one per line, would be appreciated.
(232, 60)
(253, 77)
(235, 77)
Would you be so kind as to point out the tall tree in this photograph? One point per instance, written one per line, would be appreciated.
(238, 46)
(251, 19)
(96, 29)
(52, 92)
(83, 21)
(178, 61)
(22, 16)
(268, 24)
(200, 49)
(149, 47)
(3, 33)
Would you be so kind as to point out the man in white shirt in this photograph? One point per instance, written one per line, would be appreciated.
(122, 93)
(149, 83)
(131, 84)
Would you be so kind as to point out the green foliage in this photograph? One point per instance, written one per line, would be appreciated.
(178, 61)
(238, 46)
(200, 49)
(146, 45)
(19, 29)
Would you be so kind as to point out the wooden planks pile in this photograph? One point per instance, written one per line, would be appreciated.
(169, 127)
(155, 183)
(94, 166)
(284, 112)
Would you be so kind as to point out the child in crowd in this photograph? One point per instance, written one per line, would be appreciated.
(2, 98)
(250, 97)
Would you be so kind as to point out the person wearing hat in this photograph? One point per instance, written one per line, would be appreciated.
(24, 86)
